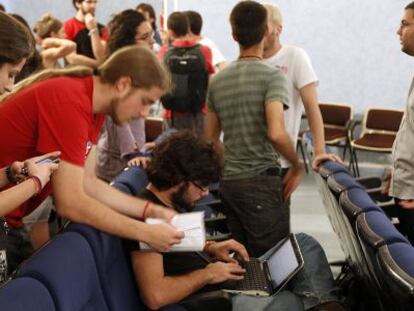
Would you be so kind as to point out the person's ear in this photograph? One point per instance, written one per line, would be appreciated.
(123, 86)
(279, 29)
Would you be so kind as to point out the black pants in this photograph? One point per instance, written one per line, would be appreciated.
(256, 214)
(406, 219)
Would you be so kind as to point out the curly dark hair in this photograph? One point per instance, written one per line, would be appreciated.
(123, 28)
(183, 157)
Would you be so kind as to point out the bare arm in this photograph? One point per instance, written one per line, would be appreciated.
(17, 195)
(73, 203)
(212, 131)
(282, 144)
(98, 46)
(55, 48)
(121, 202)
(81, 60)
(158, 290)
(310, 101)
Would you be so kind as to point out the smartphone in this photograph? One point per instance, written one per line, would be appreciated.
(50, 159)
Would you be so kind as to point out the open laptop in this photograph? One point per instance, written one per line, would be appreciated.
(265, 277)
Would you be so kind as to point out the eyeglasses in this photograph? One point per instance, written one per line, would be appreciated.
(200, 187)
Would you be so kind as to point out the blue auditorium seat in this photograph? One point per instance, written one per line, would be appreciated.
(329, 168)
(397, 275)
(355, 201)
(24, 294)
(132, 180)
(114, 268)
(342, 181)
(67, 268)
(376, 229)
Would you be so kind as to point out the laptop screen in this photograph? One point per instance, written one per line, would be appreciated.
(282, 263)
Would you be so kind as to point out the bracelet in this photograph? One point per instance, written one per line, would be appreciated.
(10, 176)
(37, 182)
(147, 203)
(207, 245)
(92, 31)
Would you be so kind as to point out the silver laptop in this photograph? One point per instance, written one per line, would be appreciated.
(265, 277)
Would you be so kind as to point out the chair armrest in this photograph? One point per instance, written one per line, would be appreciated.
(351, 127)
(215, 300)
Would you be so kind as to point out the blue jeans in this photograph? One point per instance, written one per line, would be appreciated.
(312, 286)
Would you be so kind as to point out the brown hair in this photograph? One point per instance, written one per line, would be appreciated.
(46, 25)
(16, 42)
(138, 63)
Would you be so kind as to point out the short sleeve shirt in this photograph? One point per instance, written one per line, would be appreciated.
(55, 114)
(238, 95)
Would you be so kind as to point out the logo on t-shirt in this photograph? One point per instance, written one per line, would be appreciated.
(285, 69)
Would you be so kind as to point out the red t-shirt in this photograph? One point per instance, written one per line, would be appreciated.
(208, 56)
(76, 31)
(55, 114)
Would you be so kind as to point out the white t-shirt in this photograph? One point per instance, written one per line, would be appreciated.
(217, 55)
(296, 64)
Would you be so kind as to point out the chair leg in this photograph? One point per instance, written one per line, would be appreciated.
(354, 163)
(300, 145)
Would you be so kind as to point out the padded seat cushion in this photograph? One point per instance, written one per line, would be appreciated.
(403, 255)
(378, 230)
(342, 181)
(355, 201)
(382, 142)
(334, 135)
(23, 294)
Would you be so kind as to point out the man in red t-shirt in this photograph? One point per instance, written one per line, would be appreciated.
(65, 112)
(178, 32)
(89, 35)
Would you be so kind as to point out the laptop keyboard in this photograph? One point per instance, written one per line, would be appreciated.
(254, 279)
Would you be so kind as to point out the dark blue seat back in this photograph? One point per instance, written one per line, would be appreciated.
(24, 294)
(376, 229)
(132, 180)
(355, 201)
(66, 266)
(342, 181)
(397, 265)
(114, 268)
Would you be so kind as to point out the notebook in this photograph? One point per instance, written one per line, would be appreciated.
(267, 277)
(192, 224)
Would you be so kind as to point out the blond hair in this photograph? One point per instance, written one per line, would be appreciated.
(136, 62)
(46, 25)
(274, 13)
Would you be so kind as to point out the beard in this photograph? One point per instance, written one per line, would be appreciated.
(179, 201)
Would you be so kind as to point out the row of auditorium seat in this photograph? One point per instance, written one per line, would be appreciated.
(83, 269)
(378, 255)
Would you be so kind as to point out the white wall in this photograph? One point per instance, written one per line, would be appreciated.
(352, 43)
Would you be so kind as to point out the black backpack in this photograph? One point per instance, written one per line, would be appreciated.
(189, 79)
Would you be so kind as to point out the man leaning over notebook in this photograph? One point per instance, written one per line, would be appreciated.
(179, 174)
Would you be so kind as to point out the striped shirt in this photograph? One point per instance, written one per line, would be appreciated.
(238, 95)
